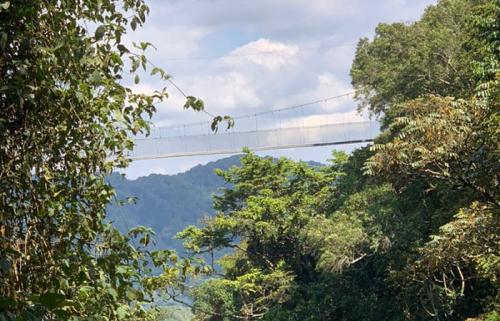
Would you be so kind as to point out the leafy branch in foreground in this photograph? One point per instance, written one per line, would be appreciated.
(64, 110)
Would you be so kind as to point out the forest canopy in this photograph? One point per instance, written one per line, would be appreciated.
(406, 229)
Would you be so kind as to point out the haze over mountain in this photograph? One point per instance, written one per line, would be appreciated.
(168, 203)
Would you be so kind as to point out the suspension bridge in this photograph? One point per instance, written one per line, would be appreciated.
(290, 127)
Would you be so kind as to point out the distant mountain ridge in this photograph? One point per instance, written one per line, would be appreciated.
(169, 203)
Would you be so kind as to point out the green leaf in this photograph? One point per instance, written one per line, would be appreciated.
(51, 300)
(123, 269)
(7, 303)
(113, 293)
(121, 312)
(99, 32)
(156, 70)
(194, 103)
(122, 49)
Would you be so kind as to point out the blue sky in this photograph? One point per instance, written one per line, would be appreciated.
(314, 42)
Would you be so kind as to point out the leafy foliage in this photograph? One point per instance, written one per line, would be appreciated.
(173, 313)
(405, 61)
(404, 230)
(442, 139)
(66, 120)
(459, 263)
(262, 218)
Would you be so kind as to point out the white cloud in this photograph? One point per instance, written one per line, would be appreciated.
(325, 119)
(143, 88)
(225, 92)
(169, 40)
(264, 52)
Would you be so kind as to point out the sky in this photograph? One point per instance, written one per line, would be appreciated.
(243, 57)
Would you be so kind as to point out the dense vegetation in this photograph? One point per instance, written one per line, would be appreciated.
(66, 120)
(169, 203)
(408, 229)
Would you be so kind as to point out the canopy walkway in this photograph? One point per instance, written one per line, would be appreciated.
(290, 127)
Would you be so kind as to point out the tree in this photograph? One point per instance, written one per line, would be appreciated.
(262, 218)
(456, 273)
(66, 120)
(452, 144)
(405, 61)
(292, 230)
(443, 140)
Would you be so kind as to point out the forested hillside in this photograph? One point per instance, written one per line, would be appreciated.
(168, 203)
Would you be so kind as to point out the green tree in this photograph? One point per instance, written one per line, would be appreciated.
(262, 218)
(173, 313)
(452, 145)
(66, 120)
(293, 231)
(405, 61)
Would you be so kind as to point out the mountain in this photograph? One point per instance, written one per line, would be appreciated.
(168, 203)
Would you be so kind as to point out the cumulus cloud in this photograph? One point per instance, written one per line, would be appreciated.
(266, 53)
(226, 91)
